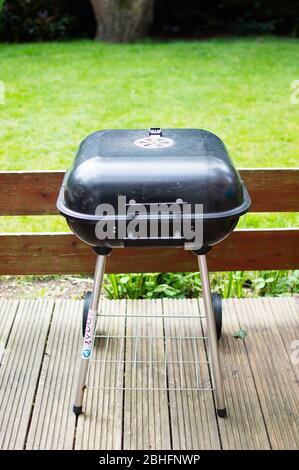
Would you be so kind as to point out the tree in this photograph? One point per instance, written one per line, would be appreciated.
(122, 20)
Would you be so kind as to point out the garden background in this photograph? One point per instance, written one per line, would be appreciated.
(211, 65)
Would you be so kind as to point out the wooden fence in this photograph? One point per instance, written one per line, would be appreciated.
(35, 193)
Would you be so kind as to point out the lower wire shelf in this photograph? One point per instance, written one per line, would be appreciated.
(150, 353)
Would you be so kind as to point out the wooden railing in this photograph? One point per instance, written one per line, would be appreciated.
(35, 193)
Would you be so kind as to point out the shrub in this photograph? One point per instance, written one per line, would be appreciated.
(35, 20)
(187, 285)
(211, 17)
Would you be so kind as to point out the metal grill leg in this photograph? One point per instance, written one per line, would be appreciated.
(89, 332)
(212, 336)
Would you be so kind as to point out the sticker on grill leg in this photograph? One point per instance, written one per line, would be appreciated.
(89, 334)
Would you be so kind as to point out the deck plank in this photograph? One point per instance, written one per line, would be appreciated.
(20, 370)
(193, 420)
(53, 422)
(8, 310)
(146, 420)
(100, 426)
(274, 376)
(244, 427)
(286, 314)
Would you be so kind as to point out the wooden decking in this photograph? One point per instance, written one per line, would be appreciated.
(39, 351)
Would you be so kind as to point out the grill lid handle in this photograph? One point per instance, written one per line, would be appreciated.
(155, 131)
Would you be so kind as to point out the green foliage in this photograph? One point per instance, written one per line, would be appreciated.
(35, 20)
(153, 285)
(210, 17)
(187, 285)
(241, 334)
(275, 283)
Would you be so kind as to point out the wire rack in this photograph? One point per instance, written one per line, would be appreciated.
(150, 353)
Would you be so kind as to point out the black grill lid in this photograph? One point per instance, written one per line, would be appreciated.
(161, 166)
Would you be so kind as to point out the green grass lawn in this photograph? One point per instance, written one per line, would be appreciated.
(57, 93)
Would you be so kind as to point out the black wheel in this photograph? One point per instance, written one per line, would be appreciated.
(217, 305)
(86, 304)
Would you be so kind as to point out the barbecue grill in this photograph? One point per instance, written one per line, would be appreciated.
(139, 188)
